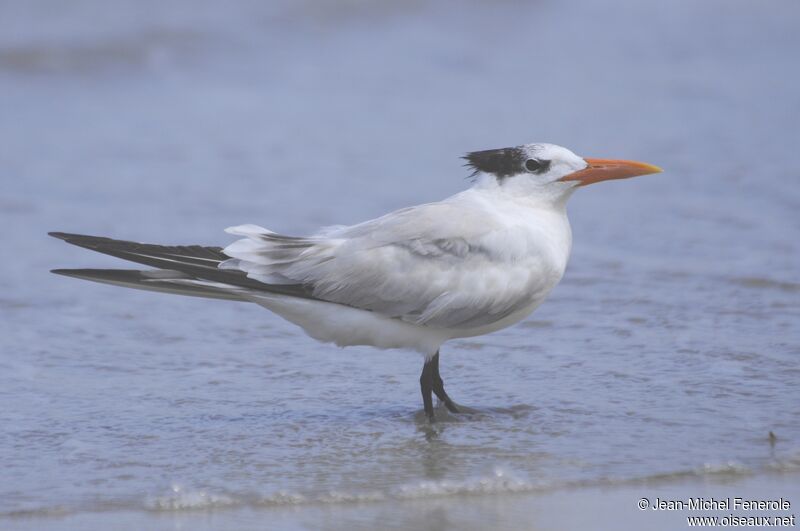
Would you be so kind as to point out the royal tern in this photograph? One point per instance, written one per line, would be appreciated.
(469, 265)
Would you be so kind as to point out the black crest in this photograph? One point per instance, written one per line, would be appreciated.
(499, 162)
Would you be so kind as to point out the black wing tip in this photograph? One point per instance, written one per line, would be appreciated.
(84, 272)
(100, 275)
(70, 272)
(70, 237)
(83, 240)
(65, 272)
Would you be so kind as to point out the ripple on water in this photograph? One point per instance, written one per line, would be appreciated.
(766, 283)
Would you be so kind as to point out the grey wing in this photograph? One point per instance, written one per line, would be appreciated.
(430, 265)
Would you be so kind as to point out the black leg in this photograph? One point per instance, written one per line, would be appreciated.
(430, 380)
(438, 386)
(426, 385)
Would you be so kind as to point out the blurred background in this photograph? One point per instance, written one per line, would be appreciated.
(663, 361)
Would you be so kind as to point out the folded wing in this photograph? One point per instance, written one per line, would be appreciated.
(432, 265)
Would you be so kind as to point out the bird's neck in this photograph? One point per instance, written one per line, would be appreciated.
(543, 216)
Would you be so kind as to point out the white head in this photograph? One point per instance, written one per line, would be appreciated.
(546, 170)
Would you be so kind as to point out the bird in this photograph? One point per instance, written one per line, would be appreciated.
(468, 265)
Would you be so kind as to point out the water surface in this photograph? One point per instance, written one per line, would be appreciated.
(669, 351)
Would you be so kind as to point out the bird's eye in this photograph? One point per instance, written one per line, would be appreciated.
(534, 165)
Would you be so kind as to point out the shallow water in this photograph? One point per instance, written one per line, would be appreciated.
(670, 349)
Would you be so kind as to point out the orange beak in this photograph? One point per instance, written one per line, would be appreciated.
(607, 169)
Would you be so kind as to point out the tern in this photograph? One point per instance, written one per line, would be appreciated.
(468, 265)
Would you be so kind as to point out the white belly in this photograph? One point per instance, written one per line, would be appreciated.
(507, 321)
(346, 326)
